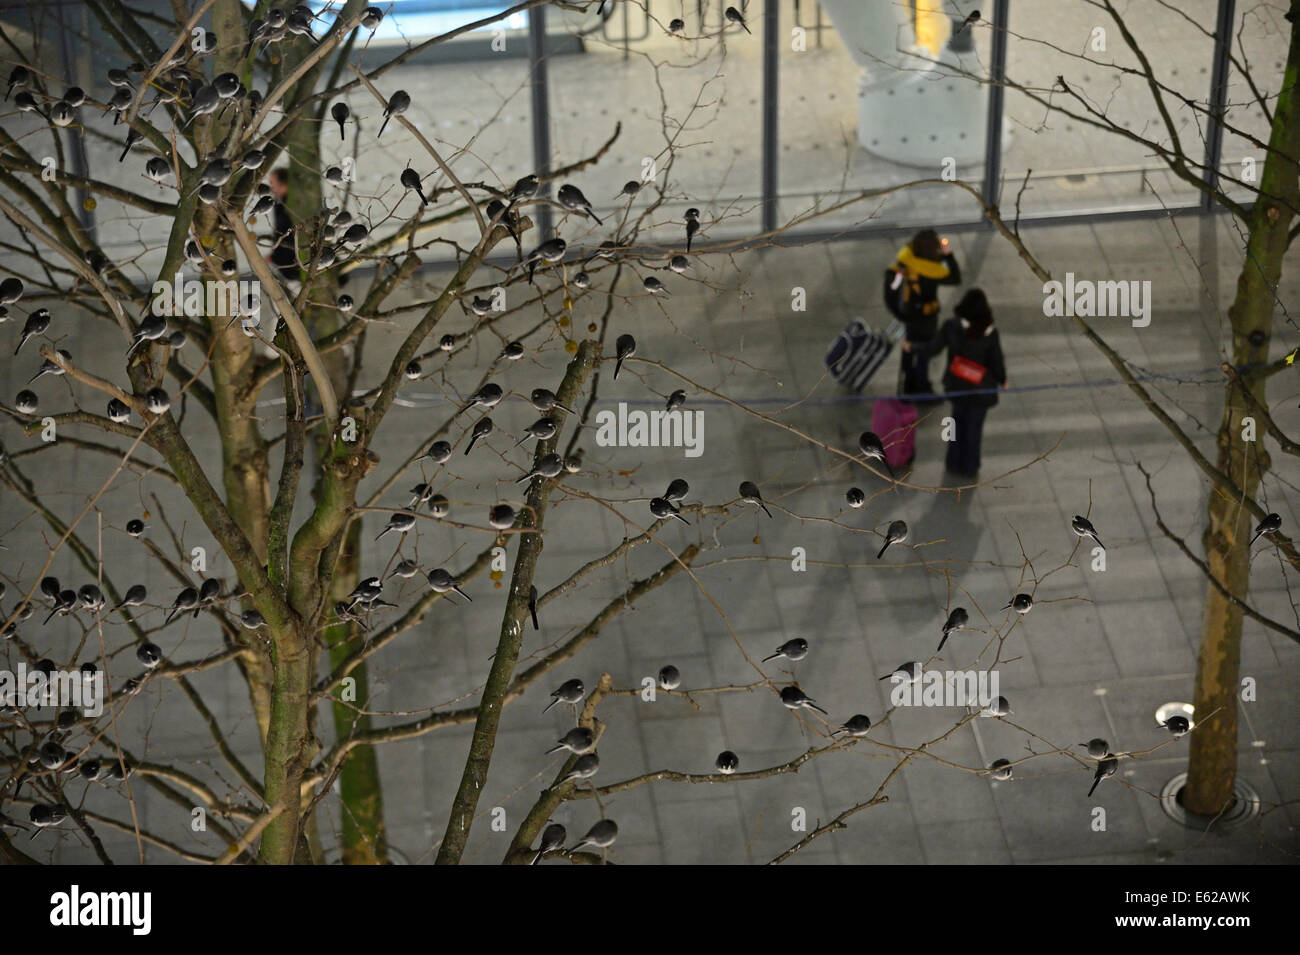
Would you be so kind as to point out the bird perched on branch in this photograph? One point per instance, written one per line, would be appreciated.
(956, 621)
(734, 16)
(795, 699)
(1107, 767)
(793, 650)
(1083, 528)
(571, 198)
(553, 838)
(1020, 603)
(624, 348)
(896, 534)
(398, 104)
(1271, 523)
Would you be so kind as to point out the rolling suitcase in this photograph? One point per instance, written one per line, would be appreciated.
(858, 352)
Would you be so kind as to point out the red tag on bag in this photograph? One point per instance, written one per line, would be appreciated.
(967, 370)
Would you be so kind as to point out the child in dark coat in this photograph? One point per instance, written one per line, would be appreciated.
(974, 363)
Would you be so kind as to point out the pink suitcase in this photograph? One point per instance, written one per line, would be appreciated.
(895, 422)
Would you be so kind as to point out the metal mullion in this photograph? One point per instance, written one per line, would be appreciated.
(997, 98)
(1218, 98)
(541, 113)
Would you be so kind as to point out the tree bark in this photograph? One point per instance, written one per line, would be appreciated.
(1212, 766)
(287, 745)
(360, 793)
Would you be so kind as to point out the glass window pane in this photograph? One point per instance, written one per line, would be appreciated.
(691, 113)
(874, 95)
(1107, 154)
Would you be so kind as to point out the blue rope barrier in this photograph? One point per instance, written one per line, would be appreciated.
(1213, 374)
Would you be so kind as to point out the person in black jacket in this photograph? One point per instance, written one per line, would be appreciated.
(975, 363)
(912, 296)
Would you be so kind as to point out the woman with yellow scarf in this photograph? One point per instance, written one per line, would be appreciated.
(912, 296)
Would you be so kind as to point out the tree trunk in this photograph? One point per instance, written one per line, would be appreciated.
(1212, 766)
(287, 743)
(362, 808)
(244, 464)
